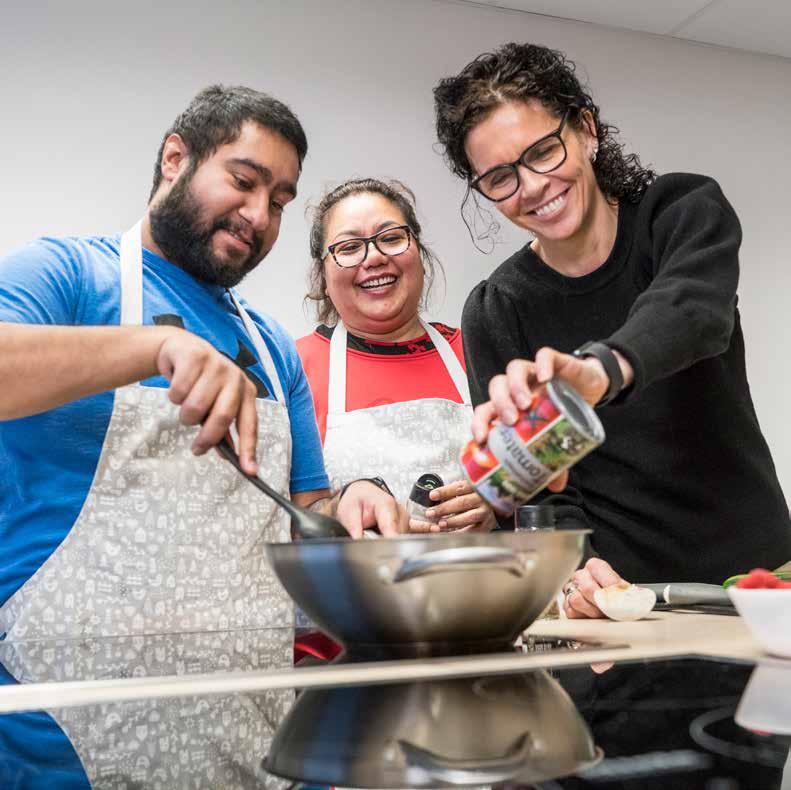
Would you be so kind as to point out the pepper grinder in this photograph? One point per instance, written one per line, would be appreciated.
(419, 500)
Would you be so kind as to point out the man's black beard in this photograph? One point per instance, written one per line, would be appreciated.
(177, 229)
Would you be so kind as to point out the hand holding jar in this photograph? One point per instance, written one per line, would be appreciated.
(435, 507)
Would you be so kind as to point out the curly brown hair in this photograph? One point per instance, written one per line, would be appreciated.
(401, 196)
(519, 72)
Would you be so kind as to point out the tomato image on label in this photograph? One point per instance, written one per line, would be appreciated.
(478, 461)
(537, 417)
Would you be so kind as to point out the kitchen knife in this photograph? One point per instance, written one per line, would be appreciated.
(689, 593)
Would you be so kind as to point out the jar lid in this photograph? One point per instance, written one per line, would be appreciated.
(535, 517)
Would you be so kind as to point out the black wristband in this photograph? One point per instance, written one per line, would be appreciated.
(609, 361)
(377, 481)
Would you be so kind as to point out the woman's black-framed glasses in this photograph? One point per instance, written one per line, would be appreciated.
(542, 156)
(352, 252)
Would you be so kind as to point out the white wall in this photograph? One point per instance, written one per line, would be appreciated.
(88, 88)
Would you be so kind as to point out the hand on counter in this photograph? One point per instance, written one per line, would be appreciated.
(459, 508)
(578, 600)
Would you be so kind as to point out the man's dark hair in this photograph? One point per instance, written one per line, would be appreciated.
(215, 117)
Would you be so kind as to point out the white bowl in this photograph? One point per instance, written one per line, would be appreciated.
(766, 702)
(768, 616)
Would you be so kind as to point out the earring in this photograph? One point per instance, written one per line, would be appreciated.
(594, 153)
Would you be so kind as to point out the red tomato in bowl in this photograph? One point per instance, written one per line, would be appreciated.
(762, 579)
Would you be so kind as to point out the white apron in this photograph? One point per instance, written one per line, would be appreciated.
(165, 541)
(397, 441)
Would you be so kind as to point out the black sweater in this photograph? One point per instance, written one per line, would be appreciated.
(684, 487)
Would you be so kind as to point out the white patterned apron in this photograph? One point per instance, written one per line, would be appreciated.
(396, 441)
(165, 541)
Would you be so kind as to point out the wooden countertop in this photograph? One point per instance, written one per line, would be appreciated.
(661, 635)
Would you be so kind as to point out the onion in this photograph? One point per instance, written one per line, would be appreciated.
(624, 601)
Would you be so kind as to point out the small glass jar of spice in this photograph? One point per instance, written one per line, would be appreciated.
(419, 500)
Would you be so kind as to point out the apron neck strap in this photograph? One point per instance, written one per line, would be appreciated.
(452, 364)
(260, 346)
(132, 276)
(132, 302)
(336, 395)
(336, 388)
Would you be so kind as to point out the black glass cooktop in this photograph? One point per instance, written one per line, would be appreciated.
(662, 724)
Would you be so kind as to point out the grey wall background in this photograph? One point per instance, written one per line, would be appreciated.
(88, 89)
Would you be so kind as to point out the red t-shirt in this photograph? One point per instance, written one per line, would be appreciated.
(380, 373)
(376, 373)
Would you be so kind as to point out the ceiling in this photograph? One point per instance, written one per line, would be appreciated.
(755, 25)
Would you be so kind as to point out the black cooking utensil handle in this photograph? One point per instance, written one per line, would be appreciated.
(686, 593)
(228, 452)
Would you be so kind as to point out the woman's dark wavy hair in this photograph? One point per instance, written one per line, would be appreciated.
(518, 72)
(401, 196)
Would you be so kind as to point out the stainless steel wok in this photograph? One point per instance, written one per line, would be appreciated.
(427, 595)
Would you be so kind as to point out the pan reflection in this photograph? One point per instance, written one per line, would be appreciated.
(439, 733)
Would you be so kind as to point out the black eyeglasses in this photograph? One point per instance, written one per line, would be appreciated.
(352, 252)
(542, 156)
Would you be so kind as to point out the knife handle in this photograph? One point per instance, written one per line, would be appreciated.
(687, 593)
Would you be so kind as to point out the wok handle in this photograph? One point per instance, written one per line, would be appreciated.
(462, 558)
(467, 771)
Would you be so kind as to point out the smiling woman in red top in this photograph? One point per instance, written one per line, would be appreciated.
(390, 388)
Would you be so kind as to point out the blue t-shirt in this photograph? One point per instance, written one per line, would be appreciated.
(35, 753)
(47, 461)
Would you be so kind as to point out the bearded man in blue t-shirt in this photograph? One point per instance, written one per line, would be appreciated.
(125, 360)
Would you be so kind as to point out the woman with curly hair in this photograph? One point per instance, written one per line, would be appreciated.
(626, 288)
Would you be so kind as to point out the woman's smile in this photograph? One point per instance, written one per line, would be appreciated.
(380, 284)
(551, 209)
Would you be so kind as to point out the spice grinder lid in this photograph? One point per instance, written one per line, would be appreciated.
(425, 484)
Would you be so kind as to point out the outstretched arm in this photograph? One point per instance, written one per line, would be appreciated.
(43, 367)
